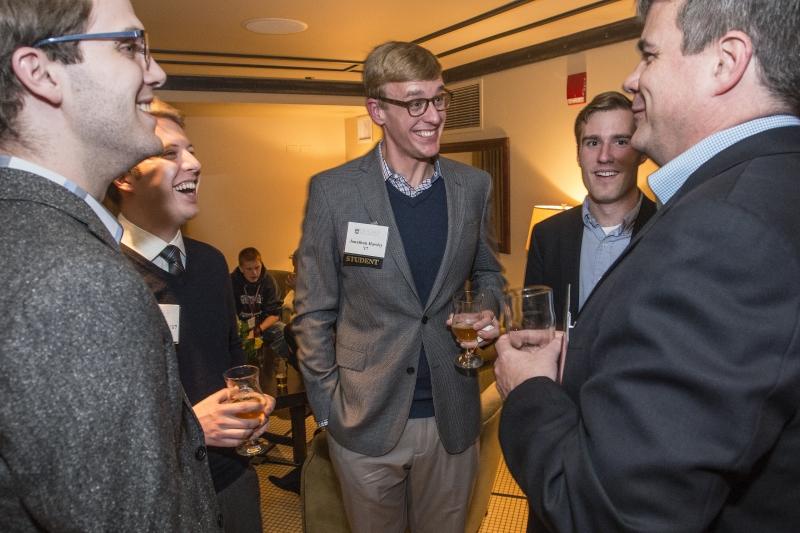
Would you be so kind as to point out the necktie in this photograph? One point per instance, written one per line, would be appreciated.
(172, 255)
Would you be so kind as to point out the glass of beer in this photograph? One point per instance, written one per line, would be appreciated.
(242, 383)
(467, 310)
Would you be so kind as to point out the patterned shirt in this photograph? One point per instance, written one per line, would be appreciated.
(666, 181)
(400, 183)
(102, 213)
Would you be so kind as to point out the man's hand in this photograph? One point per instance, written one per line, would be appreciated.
(221, 425)
(517, 361)
(487, 326)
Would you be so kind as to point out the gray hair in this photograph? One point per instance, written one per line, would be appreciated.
(772, 25)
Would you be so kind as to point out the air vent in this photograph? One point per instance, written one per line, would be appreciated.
(465, 109)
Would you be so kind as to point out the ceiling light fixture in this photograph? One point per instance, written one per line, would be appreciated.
(275, 26)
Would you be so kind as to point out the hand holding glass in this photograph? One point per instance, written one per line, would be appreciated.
(468, 309)
(242, 382)
(530, 308)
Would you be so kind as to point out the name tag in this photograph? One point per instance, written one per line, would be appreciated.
(172, 314)
(365, 245)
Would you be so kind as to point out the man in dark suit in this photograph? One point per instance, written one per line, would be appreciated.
(577, 246)
(96, 434)
(190, 282)
(388, 239)
(680, 403)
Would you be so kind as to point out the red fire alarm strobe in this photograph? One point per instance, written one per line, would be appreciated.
(576, 88)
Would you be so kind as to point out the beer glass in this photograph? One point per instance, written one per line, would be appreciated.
(467, 310)
(242, 382)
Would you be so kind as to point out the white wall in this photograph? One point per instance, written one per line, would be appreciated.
(257, 160)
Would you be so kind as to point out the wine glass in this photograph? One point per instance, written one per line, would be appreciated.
(531, 308)
(467, 310)
(242, 382)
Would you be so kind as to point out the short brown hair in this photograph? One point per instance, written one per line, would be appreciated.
(607, 101)
(398, 61)
(159, 108)
(23, 23)
(249, 254)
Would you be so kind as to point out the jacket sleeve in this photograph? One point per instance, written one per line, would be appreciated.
(317, 302)
(486, 269)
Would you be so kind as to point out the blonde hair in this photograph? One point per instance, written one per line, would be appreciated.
(398, 61)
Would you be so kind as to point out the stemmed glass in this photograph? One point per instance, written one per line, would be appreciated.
(531, 308)
(242, 382)
(467, 310)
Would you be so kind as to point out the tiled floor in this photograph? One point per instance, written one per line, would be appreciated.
(280, 509)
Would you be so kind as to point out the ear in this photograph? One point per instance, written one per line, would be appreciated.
(39, 74)
(123, 183)
(734, 56)
(376, 112)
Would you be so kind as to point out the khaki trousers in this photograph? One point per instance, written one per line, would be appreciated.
(416, 485)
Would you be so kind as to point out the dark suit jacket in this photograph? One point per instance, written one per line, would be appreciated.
(96, 433)
(680, 405)
(362, 378)
(554, 254)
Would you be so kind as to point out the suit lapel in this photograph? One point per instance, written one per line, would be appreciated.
(372, 188)
(571, 253)
(455, 187)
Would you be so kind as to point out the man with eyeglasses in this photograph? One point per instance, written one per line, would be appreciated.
(388, 239)
(97, 434)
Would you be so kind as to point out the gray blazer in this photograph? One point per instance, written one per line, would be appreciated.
(360, 330)
(95, 431)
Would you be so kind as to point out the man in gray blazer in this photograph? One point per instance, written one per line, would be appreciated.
(388, 239)
(96, 433)
(680, 403)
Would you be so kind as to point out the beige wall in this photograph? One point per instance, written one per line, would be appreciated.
(528, 105)
(257, 159)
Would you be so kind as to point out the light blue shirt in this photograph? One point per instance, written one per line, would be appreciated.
(666, 181)
(600, 247)
(102, 213)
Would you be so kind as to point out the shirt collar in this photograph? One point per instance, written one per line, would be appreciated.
(102, 213)
(388, 173)
(627, 220)
(666, 181)
(145, 243)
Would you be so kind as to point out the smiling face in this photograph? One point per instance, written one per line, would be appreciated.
(609, 164)
(409, 139)
(161, 195)
(669, 88)
(108, 94)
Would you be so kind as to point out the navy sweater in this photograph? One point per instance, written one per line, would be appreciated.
(422, 222)
(209, 341)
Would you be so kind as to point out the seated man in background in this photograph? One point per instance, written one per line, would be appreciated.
(576, 247)
(189, 280)
(257, 300)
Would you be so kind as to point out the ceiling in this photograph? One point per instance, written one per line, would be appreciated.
(203, 45)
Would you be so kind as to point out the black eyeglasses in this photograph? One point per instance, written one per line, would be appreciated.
(418, 106)
(137, 39)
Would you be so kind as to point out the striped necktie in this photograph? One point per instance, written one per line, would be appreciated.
(172, 255)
